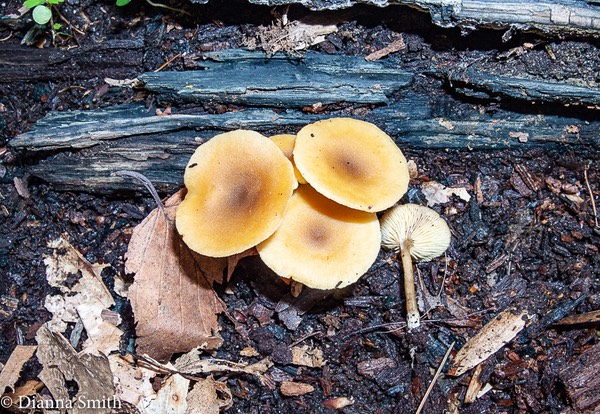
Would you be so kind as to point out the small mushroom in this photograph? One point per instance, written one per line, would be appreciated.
(286, 143)
(239, 185)
(415, 232)
(320, 243)
(352, 162)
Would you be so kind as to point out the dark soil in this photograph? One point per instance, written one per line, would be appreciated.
(526, 241)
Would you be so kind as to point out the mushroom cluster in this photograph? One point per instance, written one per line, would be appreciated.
(243, 192)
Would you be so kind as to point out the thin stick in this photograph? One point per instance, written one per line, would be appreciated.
(164, 6)
(434, 379)
(587, 183)
(64, 19)
(168, 62)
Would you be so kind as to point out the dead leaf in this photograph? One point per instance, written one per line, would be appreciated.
(493, 336)
(85, 301)
(208, 397)
(436, 193)
(61, 363)
(191, 363)
(172, 297)
(307, 357)
(132, 381)
(10, 373)
(171, 398)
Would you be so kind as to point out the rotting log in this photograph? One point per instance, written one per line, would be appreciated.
(87, 147)
(242, 77)
(101, 59)
(480, 84)
(566, 17)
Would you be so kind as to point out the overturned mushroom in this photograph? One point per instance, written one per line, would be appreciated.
(320, 243)
(352, 162)
(239, 184)
(418, 232)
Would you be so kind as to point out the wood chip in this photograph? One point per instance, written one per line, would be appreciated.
(372, 367)
(475, 385)
(396, 46)
(583, 319)
(337, 403)
(295, 389)
(582, 381)
(493, 336)
(21, 187)
(10, 373)
(519, 185)
(174, 304)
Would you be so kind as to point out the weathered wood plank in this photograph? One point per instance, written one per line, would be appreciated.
(250, 78)
(19, 63)
(129, 137)
(551, 16)
(475, 83)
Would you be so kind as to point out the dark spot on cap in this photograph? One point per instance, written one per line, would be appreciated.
(192, 165)
(312, 135)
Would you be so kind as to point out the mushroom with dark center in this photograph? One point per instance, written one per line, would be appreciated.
(320, 243)
(352, 162)
(239, 184)
(418, 233)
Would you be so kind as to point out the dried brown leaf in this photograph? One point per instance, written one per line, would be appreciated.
(493, 336)
(303, 355)
(132, 381)
(172, 297)
(61, 363)
(208, 397)
(10, 372)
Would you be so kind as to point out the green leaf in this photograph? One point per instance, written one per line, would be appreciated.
(57, 26)
(30, 4)
(54, 1)
(42, 14)
(121, 3)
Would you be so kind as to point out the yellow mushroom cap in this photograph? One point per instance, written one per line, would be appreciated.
(320, 243)
(286, 143)
(419, 228)
(352, 162)
(239, 185)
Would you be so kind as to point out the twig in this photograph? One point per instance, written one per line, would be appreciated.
(164, 6)
(147, 183)
(7, 37)
(168, 62)
(305, 337)
(64, 19)
(587, 183)
(435, 377)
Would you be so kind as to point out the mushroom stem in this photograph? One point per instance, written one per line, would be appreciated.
(413, 318)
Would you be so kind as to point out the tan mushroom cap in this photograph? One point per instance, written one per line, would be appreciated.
(352, 162)
(418, 228)
(239, 185)
(320, 243)
(286, 143)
